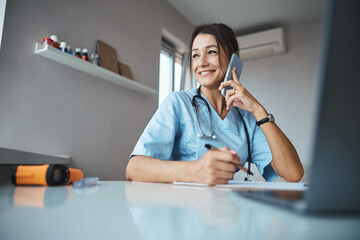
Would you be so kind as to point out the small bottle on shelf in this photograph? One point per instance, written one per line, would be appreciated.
(63, 47)
(48, 42)
(56, 43)
(94, 57)
(84, 55)
(78, 52)
(70, 51)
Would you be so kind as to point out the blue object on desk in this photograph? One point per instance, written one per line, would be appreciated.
(86, 182)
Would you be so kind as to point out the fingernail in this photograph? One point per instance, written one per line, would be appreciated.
(233, 152)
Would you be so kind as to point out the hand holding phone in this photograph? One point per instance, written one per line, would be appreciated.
(234, 62)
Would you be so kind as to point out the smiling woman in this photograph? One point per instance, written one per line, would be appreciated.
(172, 148)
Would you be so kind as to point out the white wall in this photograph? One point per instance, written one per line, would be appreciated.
(51, 108)
(287, 85)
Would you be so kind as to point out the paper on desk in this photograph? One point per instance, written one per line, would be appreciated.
(253, 185)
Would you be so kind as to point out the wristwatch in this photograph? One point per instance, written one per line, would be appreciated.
(269, 118)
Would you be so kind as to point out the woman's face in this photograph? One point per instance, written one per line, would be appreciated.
(205, 61)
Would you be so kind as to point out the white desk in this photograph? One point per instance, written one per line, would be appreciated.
(130, 210)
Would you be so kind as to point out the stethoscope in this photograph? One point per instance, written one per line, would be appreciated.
(212, 135)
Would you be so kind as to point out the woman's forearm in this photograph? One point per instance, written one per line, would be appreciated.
(214, 167)
(285, 162)
(148, 169)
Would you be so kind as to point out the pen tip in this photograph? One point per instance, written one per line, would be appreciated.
(208, 146)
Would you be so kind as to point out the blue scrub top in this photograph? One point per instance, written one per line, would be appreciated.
(172, 133)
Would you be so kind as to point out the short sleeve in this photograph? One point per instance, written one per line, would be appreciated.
(158, 138)
(261, 155)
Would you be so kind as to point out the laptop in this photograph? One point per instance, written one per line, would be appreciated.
(335, 175)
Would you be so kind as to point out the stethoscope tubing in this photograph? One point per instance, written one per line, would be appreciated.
(212, 136)
(203, 135)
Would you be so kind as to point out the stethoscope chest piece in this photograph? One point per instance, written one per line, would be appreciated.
(213, 137)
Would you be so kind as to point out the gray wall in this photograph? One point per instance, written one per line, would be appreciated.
(50, 108)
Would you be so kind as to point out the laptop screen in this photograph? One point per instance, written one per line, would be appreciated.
(335, 181)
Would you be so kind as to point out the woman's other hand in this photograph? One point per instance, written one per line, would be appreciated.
(216, 167)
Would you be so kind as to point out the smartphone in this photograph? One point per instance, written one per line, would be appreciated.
(234, 62)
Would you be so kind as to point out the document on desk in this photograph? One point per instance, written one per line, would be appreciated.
(246, 185)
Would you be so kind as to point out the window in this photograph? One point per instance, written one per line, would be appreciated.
(174, 70)
(2, 17)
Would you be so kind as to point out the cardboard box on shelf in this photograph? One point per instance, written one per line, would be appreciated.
(107, 56)
(125, 70)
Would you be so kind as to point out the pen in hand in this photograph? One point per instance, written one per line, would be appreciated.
(209, 147)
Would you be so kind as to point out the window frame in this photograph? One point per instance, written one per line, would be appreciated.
(168, 49)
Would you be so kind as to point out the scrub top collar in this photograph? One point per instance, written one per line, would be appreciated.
(226, 123)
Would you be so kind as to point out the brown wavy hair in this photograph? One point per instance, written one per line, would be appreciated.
(224, 36)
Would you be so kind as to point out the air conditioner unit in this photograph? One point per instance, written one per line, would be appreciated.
(262, 44)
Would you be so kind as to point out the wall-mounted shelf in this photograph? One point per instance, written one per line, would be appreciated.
(92, 69)
(14, 156)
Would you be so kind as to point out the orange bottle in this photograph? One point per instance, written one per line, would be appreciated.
(56, 43)
(84, 55)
